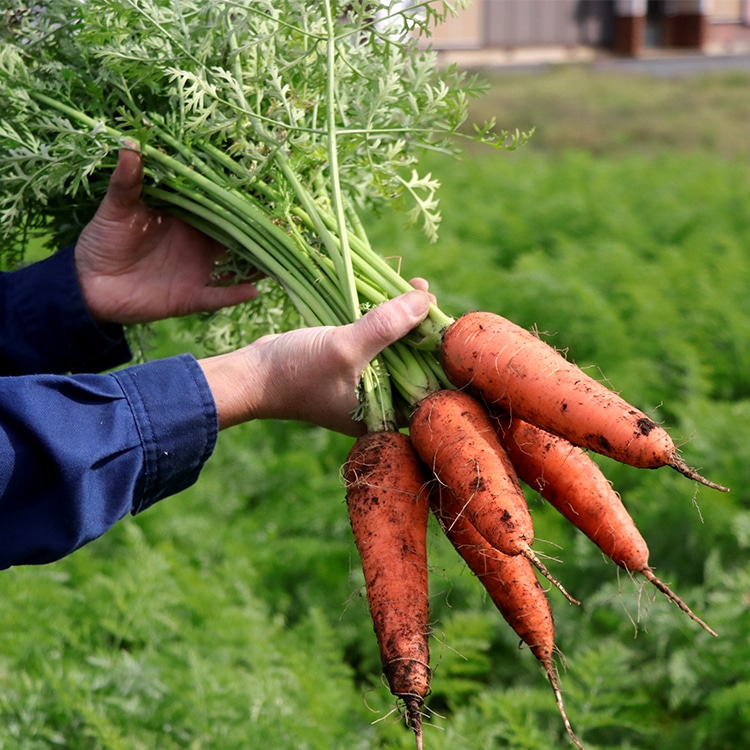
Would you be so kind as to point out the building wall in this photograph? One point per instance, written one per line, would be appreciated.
(526, 23)
(548, 22)
(624, 26)
(730, 11)
(465, 31)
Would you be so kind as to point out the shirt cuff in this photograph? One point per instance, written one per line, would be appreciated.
(178, 424)
(61, 334)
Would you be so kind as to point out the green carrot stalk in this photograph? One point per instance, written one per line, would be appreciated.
(268, 125)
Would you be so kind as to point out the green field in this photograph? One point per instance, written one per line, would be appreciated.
(232, 616)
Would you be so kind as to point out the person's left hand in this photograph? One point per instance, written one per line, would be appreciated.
(138, 265)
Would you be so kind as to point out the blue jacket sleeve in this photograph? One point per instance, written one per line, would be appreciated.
(45, 326)
(79, 452)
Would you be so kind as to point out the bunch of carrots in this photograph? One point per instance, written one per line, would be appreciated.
(517, 410)
(270, 125)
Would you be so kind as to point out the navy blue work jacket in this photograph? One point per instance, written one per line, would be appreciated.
(80, 450)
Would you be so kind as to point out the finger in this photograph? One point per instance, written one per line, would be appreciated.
(419, 283)
(213, 298)
(224, 275)
(126, 182)
(387, 323)
(225, 278)
(423, 285)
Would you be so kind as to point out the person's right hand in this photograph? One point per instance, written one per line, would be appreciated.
(138, 265)
(310, 374)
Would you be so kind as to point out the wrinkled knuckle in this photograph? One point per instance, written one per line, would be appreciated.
(341, 354)
(381, 327)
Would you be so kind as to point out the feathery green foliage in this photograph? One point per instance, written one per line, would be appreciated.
(269, 125)
(233, 616)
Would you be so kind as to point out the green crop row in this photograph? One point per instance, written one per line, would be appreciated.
(233, 617)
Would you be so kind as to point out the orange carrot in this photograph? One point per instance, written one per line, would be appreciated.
(387, 497)
(454, 436)
(518, 373)
(510, 582)
(571, 481)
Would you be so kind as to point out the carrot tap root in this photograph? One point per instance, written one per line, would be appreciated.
(542, 568)
(477, 455)
(552, 677)
(648, 573)
(387, 498)
(679, 465)
(453, 434)
(413, 713)
(515, 371)
(512, 584)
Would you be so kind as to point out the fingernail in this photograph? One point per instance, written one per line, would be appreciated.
(418, 303)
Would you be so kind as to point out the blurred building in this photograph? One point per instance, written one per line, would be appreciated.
(624, 27)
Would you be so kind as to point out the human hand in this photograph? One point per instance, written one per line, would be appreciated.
(137, 265)
(310, 374)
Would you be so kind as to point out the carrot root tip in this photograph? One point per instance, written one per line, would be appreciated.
(542, 568)
(413, 709)
(661, 586)
(549, 669)
(679, 465)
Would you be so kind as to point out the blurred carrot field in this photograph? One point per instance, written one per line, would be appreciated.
(232, 616)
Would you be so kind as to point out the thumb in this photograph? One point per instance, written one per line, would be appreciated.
(126, 182)
(389, 322)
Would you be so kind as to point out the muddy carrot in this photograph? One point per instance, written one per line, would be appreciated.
(387, 498)
(454, 436)
(572, 482)
(518, 373)
(510, 582)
